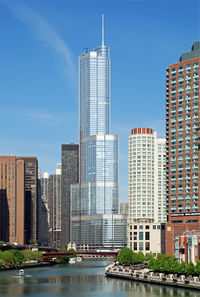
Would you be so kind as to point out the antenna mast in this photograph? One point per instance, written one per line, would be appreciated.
(102, 43)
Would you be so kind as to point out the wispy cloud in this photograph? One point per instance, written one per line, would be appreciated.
(43, 118)
(46, 33)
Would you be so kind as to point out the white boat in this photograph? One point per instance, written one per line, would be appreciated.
(79, 259)
(21, 273)
(72, 261)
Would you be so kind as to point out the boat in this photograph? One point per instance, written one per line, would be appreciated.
(79, 259)
(72, 261)
(21, 273)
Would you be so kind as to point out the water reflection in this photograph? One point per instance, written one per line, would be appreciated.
(82, 280)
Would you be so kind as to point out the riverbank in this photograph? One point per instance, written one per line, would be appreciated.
(145, 275)
(30, 265)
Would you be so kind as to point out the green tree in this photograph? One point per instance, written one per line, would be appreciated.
(190, 269)
(33, 241)
(182, 268)
(27, 254)
(8, 257)
(18, 256)
(149, 256)
(197, 268)
(141, 257)
(126, 256)
(37, 256)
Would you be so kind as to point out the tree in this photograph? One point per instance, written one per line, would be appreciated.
(8, 257)
(28, 255)
(190, 269)
(126, 256)
(182, 268)
(149, 256)
(18, 256)
(33, 241)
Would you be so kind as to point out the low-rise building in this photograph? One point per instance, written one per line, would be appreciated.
(187, 247)
(146, 236)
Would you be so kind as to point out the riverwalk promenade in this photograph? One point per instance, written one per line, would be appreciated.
(145, 275)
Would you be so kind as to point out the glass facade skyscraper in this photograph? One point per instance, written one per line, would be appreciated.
(97, 192)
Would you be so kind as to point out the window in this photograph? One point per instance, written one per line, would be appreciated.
(135, 246)
(141, 227)
(140, 235)
(141, 246)
(147, 246)
(147, 235)
(154, 227)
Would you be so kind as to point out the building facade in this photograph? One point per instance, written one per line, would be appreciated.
(147, 191)
(12, 200)
(31, 197)
(70, 175)
(19, 195)
(183, 154)
(124, 208)
(147, 177)
(43, 210)
(146, 236)
(187, 247)
(97, 191)
(54, 204)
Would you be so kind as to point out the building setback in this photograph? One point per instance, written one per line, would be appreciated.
(183, 154)
(70, 175)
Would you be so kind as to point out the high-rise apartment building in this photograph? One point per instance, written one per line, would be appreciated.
(31, 197)
(54, 204)
(12, 200)
(70, 175)
(147, 177)
(43, 210)
(18, 198)
(98, 188)
(183, 154)
(147, 191)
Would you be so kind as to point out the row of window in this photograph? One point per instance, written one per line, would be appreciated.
(182, 100)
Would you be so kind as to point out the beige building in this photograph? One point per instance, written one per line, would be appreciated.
(147, 190)
(146, 236)
(124, 208)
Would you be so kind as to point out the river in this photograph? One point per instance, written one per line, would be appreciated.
(84, 279)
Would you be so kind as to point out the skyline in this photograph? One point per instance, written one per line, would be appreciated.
(38, 126)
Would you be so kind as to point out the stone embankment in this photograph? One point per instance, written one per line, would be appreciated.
(148, 276)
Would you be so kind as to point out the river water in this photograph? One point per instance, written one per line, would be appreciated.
(84, 279)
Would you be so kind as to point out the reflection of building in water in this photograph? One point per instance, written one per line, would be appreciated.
(187, 246)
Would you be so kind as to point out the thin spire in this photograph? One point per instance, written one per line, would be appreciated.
(102, 43)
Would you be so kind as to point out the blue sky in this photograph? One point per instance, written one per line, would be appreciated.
(40, 42)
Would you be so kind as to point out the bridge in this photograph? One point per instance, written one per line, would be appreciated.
(83, 254)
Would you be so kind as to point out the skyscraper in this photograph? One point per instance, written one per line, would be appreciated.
(147, 176)
(70, 175)
(98, 188)
(182, 132)
(54, 204)
(147, 191)
(18, 195)
(43, 211)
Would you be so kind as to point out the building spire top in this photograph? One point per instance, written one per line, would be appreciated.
(102, 43)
